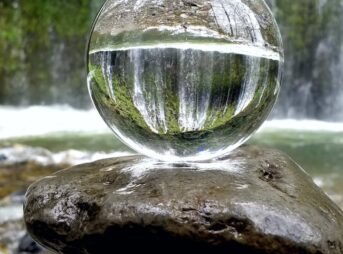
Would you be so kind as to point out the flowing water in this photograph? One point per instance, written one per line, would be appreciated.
(312, 88)
(315, 145)
(26, 139)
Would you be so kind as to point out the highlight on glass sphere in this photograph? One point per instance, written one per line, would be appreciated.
(184, 80)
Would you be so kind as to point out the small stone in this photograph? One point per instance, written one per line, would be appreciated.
(254, 201)
(17, 197)
(3, 157)
(203, 13)
(28, 245)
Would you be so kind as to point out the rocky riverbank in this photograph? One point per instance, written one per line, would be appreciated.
(21, 165)
(254, 201)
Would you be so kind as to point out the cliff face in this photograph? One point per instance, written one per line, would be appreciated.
(43, 49)
(312, 34)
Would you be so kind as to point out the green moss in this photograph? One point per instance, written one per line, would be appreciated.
(172, 106)
(123, 103)
(30, 34)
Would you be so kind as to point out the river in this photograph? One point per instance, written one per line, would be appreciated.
(53, 37)
(315, 145)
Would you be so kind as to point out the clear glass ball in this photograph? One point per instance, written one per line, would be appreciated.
(184, 80)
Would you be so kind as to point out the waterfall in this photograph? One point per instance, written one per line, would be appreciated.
(251, 81)
(313, 79)
(313, 76)
(148, 97)
(107, 71)
(177, 87)
(195, 69)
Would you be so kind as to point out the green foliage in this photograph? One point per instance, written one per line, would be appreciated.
(42, 47)
(313, 34)
(123, 105)
(302, 19)
(305, 23)
(32, 34)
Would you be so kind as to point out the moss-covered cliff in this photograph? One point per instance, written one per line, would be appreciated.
(42, 46)
(313, 40)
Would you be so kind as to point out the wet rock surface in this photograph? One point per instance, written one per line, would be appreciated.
(27, 246)
(254, 201)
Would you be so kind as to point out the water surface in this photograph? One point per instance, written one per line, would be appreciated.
(316, 146)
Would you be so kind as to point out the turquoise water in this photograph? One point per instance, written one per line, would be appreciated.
(318, 152)
(316, 146)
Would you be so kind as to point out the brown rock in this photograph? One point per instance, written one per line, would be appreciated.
(254, 201)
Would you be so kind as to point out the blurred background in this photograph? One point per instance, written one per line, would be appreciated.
(47, 121)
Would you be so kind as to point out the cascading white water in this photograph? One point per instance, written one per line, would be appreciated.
(148, 97)
(181, 89)
(194, 85)
(251, 81)
(106, 68)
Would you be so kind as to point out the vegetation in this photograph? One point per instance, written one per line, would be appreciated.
(313, 35)
(228, 76)
(42, 48)
(42, 45)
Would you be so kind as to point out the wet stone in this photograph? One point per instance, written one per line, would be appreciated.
(3, 157)
(28, 245)
(254, 201)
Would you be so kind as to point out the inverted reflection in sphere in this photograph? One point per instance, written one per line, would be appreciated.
(184, 80)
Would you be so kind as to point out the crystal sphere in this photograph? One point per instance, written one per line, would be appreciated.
(184, 80)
